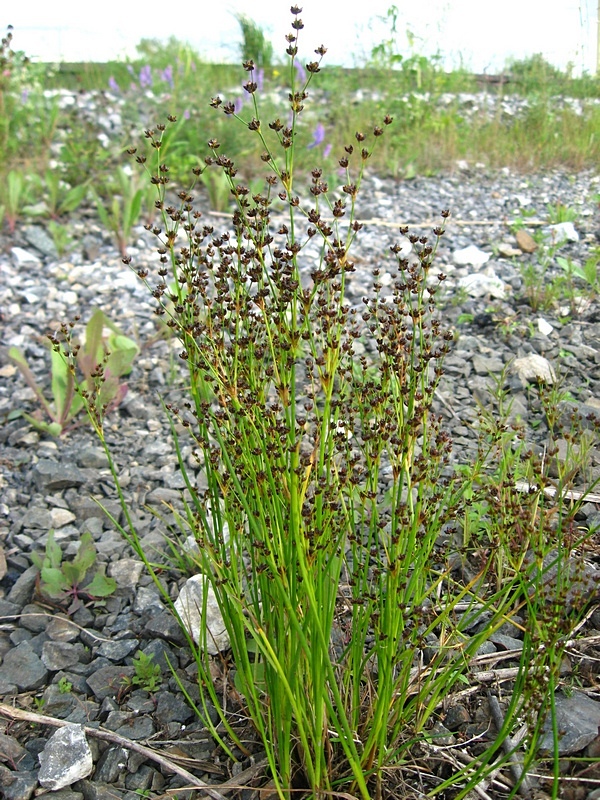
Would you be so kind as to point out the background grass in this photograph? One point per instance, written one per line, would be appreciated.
(433, 125)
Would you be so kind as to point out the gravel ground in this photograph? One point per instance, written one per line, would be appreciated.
(48, 483)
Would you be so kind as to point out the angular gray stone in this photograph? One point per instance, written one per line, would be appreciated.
(171, 709)
(67, 794)
(111, 764)
(24, 258)
(92, 457)
(60, 629)
(137, 728)
(50, 475)
(118, 650)
(22, 589)
(106, 681)
(23, 668)
(164, 625)
(577, 719)
(10, 749)
(35, 618)
(37, 237)
(59, 704)
(147, 597)
(39, 518)
(97, 790)
(60, 655)
(65, 759)
(146, 777)
(22, 788)
(481, 285)
(483, 365)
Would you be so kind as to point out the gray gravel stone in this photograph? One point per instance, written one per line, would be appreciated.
(95, 790)
(60, 655)
(111, 765)
(52, 476)
(578, 720)
(137, 728)
(171, 709)
(119, 650)
(35, 618)
(61, 629)
(23, 587)
(106, 681)
(23, 786)
(165, 626)
(23, 668)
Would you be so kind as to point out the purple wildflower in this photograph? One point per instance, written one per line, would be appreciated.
(300, 71)
(238, 105)
(113, 85)
(318, 136)
(186, 114)
(327, 150)
(24, 96)
(146, 76)
(260, 79)
(167, 75)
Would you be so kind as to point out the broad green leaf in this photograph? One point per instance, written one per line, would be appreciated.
(53, 551)
(133, 210)
(101, 586)
(123, 351)
(52, 428)
(86, 555)
(93, 339)
(73, 573)
(53, 582)
(73, 199)
(61, 378)
(102, 212)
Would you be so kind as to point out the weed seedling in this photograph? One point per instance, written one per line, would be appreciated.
(69, 581)
(102, 359)
(147, 675)
(64, 685)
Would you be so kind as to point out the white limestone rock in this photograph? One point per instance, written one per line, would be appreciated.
(189, 606)
(66, 758)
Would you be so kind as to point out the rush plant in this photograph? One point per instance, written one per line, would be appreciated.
(327, 531)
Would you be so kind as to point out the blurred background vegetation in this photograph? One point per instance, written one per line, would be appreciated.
(65, 128)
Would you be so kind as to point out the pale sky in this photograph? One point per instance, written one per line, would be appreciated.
(480, 33)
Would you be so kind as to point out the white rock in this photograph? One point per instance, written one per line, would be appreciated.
(61, 517)
(523, 199)
(544, 326)
(69, 297)
(562, 232)
(66, 758)
(470, 255)
(507, 250)
(189, 606)
(126, 572)
(23, 257)
(533, 368)
(483, 285)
